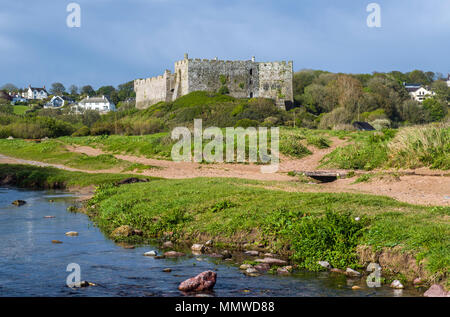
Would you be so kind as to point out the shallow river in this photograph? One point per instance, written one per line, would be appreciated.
(31, 265)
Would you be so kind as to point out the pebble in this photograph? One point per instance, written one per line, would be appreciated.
(72, 233)
(271, 261)
(324, 264)
(397, 284)
(56, 241)
(351, 272)
(355, 288)
(167, 270)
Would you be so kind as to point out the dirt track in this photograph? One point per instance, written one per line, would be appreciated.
(429, 188)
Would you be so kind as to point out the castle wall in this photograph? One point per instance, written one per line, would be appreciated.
(152, 90)
(240, 77)
(275, 81)
(244, 79)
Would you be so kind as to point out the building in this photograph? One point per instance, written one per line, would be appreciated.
(418, 92)
(35, 93)
(56, 102)
(101, 104)
(448, 80)
(18, 98)
(241, 79)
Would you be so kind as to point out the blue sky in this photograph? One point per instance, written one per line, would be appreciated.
(122, 40)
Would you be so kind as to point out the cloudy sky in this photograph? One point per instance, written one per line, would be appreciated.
(122, 40)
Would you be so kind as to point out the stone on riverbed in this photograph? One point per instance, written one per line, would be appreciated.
(245, 266)
(436, 290)
(72, 234)
(56, 241)
(80, 284)
(173, 254)
(49, 217)
(271, 261)
(167, 245)
(285, 270)
(198, 248)
(167, 270)
(397, 284)
(352, 273)
(263, 267)
(324, 264)
(19, 202)
(252, 253)
(151, 253)
(203, 282)
(251, 270)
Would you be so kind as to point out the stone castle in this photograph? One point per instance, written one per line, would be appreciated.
(240, 79)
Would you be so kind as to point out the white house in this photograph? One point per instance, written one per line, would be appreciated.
(448, 80)
(36, 93)
(101, 104)
(418, 92)
(55, 102)
(17, 98)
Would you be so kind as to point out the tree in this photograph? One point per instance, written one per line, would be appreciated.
(73, 89)
(126, 91)
(88, 90)
(436, 108)
(105, 91)
(57, 89)
(9, 87)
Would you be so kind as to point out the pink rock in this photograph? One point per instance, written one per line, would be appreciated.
(272, 261)
(203, 282)
(173, 254)
(263, 267)
(436, 290)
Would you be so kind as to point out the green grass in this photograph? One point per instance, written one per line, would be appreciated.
(20, 109)
(48, 177)
(306, 226)
(54, 152)
(412, 147)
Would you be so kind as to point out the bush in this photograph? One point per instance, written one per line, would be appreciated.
(246, 123)
(83, 131)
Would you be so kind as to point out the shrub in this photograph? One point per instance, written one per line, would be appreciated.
(246, 123)
(83, 131)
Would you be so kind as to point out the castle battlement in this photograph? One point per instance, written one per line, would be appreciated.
(243, 78)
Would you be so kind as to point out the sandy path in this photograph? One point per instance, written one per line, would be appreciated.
(429, 188)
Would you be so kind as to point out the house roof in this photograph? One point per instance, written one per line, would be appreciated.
(364, 126)
(94, 100)
(38, 89)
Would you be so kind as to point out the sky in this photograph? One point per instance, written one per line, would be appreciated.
(120, 40)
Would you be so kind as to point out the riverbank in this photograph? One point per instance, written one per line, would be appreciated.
(243, 214)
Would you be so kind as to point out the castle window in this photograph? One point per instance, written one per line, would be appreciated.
(251, 72)
(251, 95)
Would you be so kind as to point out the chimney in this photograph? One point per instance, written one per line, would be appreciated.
(186, 56)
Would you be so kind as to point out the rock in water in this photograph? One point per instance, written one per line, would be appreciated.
(151, 253)
(324, 264)
(397, 284)
(19, 202)
(245, 266)
(272, 261)
(56, 241)
(436, 290)
(167, 270)
(285, 270)
(352, 273)
(198, 248)
(173, 254)
(81, 284)
(167, 245)
(72, 233)
(203, 282)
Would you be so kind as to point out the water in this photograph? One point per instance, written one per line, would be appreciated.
(30, 265)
